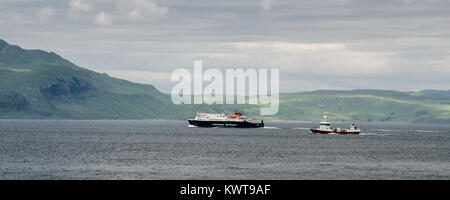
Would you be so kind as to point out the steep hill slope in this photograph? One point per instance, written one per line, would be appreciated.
(38, 84)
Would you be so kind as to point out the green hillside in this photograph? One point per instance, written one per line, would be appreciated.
(38, 84)
(366, 105)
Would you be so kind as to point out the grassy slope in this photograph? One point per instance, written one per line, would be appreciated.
(66, 92)
(365, 105)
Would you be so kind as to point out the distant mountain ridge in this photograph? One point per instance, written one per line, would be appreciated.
(14, 56)
(39, 84)
(366, 105)
(438, 92)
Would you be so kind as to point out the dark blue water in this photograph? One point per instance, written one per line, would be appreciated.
(158, 149)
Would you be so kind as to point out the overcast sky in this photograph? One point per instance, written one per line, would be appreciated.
(317, 44)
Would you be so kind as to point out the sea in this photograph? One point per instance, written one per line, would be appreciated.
(167, 150)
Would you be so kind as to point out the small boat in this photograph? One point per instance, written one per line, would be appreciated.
(325, 128)
(236, 120)
(351, 130)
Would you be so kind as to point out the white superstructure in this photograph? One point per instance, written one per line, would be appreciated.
(210, 117)
(237, 117)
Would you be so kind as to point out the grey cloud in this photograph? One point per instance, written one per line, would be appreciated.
(398, 44)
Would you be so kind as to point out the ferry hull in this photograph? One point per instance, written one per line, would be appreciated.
(348, 132)
(321, 131)
(228, 124)
(334, 132)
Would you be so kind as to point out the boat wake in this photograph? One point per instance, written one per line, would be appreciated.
(415, 130)
(387, 130)
(301, 128)
(372, 134)
(428, 131)
(192, 126)
(270, 127)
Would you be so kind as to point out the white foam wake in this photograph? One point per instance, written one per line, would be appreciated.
(270, 127)
(370, 134)
(302, 128)
(414, 130)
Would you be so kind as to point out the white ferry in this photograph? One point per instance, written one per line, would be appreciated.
(236, 120)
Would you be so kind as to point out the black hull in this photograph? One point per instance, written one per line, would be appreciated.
(226, 124)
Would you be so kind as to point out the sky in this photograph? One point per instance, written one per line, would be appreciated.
(322, 44)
